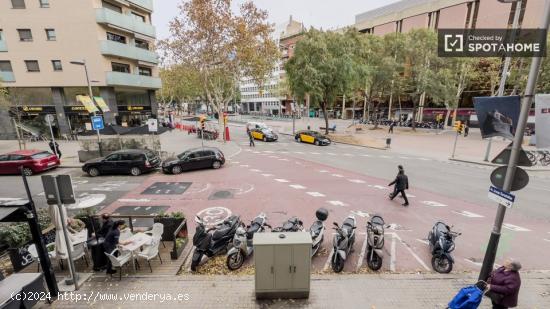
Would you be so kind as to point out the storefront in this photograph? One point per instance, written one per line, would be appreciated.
(133, 115)
(77, 117)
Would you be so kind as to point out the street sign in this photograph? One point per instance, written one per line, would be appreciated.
(504, 157)
(97, 122)
(64, 185)
(521, 179)
(153, 125)
(503, 198)
(49, 119)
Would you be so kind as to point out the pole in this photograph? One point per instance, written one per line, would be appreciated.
(293, 122)
(505, 69)
(53, 138)
(66, 235)
(17, 133)
(527, 100)
(454, 147)
(93, 101)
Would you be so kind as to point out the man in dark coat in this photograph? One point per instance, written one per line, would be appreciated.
(401, 183)
(111, 241)
(504, 285)
(106, 226)
(250, 137)
(54, 146)
(392, 124)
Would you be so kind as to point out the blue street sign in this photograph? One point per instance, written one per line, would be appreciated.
(97, 122)
(501, 197)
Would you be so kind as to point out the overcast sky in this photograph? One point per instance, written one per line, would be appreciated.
(317, 13)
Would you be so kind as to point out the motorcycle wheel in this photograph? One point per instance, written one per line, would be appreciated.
(235, 260)
(338, 265)
(195, 260)
(442, 264)
(374, 261)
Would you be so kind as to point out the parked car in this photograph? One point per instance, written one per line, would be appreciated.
(265, 134)
(130, 161)
(32, 161)
(312, 137)
(193, 159)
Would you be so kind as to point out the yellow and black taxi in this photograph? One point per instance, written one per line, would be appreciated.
(262, 132)
(312, 137)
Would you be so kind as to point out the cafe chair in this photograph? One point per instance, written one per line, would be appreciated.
(119, 261)
(157, 231)
(125, 234)
(151, 251)
(32, 250)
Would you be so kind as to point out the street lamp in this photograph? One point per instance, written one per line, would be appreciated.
(83, 63)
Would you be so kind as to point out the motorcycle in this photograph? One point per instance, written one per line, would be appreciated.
(442, 242)
(375, 242)
(242, 241)
(212, 241)
(291, 225)
(317, 230)
(343, 243)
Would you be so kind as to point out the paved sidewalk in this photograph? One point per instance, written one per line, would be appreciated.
(328, 291)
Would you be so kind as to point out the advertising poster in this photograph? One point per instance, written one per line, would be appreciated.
(542, 120)
(498, 116)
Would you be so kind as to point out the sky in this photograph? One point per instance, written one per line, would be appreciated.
(326, 14)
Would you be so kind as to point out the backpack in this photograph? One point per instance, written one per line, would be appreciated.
(467, 298)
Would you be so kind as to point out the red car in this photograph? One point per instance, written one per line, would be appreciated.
(32, 161)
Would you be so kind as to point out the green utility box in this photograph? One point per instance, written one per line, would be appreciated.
(283, 263)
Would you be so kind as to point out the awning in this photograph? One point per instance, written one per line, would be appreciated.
(87, 102)
(101, 103)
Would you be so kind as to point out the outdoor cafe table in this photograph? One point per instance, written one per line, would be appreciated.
(137, 241)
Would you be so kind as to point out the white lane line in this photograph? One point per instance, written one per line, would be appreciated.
(356, 181)
(417, 258)
(404, 158)
(323, 171)
(236, 162)
(467, 214)
(337, 203)
(283, 159)
(316, 194)
(255, 170)
(393, 256)
(268, 151)
(385, 157)
(348, 155)
(422, 241)
(314, 153)
(283, 152)
(433, 204)
(136, 208)
(267, 175)
(281, 180)
(362, 254)
(273, 157)
(424, 159)
(546, 239)
(299, 152)
(365, 155)
(133, 200)
(243, 165)
(297, 187)
(337, 175)
(515, 228)
(379, 187)
(327, 263)
(331, 154)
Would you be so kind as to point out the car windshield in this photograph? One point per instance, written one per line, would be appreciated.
(41, 155)
(183, 154)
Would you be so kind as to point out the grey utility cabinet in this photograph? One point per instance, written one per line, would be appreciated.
(283, 263)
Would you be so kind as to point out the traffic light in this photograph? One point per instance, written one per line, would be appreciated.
(203, 122)
(458, 126)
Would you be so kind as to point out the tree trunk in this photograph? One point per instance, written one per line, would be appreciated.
(415, 104)
(447, 115)
(376, 115)
(324, 108)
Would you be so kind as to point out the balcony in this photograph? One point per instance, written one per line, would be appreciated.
(126, 22)
(111, 48)
(7, 77)
(3, 46)
(132, 80)
(146, 4)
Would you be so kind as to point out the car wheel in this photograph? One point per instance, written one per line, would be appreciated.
(176, 170)
(264, 139)
(216, 165)
(316, 143)
(135, 171)
(27, 171)
(93, 172)
(297, 139)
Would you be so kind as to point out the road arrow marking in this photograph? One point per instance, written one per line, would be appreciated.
(379, 187)
(348, 155)
(314, 153)
(255, 170)
(267, 175)
(323, 171)
(467, 214)
(337, 203)
(337, 175)
(316, 194)
(281, 180)
(244, 165)
(331, 154)
(356, 180)
(515, 228)
(360, 213)
(365, 155)
(433, 204)
(298, 187)
(283, 159)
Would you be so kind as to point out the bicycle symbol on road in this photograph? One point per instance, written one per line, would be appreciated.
(214, 215)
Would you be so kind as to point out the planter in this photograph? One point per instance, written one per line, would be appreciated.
(20, 258)
(170, 226)
(180, 240)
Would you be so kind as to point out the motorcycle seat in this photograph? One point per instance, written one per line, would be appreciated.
(348, 225)
(316, 228)
(252, 229)
(221, 232)
(287, 226)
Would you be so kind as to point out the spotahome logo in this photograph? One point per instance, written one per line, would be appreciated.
(492, 42)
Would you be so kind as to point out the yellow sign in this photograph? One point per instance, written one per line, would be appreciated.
(87, 102)
(78, 108)
(32, 108)
(135, 108)
(101, 103)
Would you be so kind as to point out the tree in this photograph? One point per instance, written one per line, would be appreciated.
(221, 46)
(180, 83)
(324, 66)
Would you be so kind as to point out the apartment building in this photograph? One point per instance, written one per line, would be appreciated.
(115, 38)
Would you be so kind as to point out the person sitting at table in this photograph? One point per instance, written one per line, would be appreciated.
(75, 226)
(112, 240)
(106, 226)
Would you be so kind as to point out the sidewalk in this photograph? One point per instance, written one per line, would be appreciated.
(328, 291)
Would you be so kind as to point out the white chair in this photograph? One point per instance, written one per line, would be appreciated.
(34, 253)
(120, 260)
(125, 234)
(79, 252)
(151, 251)
(157, 231)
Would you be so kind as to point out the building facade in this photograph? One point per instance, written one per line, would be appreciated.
(115, 38)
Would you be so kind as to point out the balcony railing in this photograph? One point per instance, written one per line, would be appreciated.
(146, 4)
(127, 22)
(112, 48)
(7, 77)
(132, 80)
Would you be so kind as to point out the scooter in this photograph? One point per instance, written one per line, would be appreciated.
(442, 243)
(242, 241)
(212, 241)
(291, 225)
(317, 230)
(375, 242)
(343, 243)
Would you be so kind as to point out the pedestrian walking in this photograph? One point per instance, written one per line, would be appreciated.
(401, 183)
(392, 124)
(503, 285)
(250, 137)
(54, 146)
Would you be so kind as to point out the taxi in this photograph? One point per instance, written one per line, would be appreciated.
(262, 132)
(312, 137)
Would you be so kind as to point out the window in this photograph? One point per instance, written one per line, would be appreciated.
(142, 44)
(18, 4)
(120, 67)
(57, 65)
(3, 157)
(116, 38)
(112, 7)
(1, 35)
(50, 34)
(44, 3)
(17, 157)
(25, 35)
(41, 155)
(139, 17)
(5, 66)
(145, 71)
(113, 157)
(32, 66)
